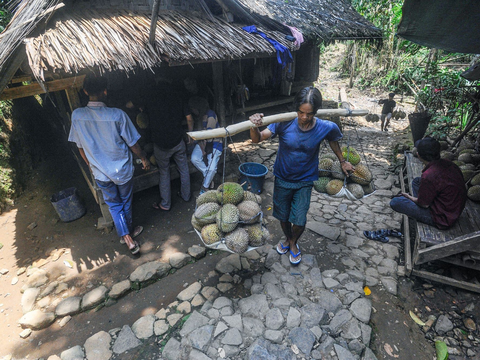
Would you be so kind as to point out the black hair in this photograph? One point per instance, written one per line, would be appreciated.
(94, 85)
(391, 94)
(428, 149)
(199, 104)
(308, 95)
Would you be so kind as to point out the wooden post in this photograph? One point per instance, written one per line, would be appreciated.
(12, 67)
(353, 64)
(218, 90)
(153, 24)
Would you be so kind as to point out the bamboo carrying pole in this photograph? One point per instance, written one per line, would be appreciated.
(247, 125)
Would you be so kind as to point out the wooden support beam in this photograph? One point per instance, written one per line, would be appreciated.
(460, 244)
(447, 280)
(219, 92)
(10, 68)
(20, 79)
(73, 98)
(153, 23)
(406, 232)
(34, 89)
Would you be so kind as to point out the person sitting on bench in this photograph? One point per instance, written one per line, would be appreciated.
(439, 195)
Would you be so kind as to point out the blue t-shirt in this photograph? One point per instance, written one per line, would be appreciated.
(105, 135)
(297, 156)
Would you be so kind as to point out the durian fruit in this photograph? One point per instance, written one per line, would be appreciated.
(467, 174)
(475, 180)
(237, 240)
(368, 189)
(375, 118)
(255, 235)
(334, 186)
(475, 158)
(465, 157)
(206, 213)
(142, 120)
(153, 161)
(474, 193)
(249, 211)
(458, 163)
(206, 197)
(196, 225)
(351, 155)
(329, 156)
(356, 190)
(467, 151)
(211, 234)
(324, 166)
(248, 195)
(396, 115)
(402, 114)
(230, 193)
(448, 155)
(337, 171)
(266, 236)
(361, 175)
(320, 185)
(227, 218)
(368, 117)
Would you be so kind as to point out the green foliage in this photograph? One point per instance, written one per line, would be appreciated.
(5, 15)
(6, 171)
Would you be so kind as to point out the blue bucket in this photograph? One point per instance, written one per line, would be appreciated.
(253, 176)
(68, 205)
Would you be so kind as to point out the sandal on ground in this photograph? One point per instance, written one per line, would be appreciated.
(295, 259)
(157, 206)
(283, 249)
(395, 233)
(135, 250)
(379, 235)
(137, 231)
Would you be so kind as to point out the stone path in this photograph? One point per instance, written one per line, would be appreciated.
(303, 312)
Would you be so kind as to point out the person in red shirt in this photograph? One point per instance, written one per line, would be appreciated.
(439, 195)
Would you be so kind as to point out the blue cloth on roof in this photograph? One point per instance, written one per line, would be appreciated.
(297, 155)
(284, 56)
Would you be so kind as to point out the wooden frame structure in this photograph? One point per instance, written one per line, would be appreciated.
(459, 245)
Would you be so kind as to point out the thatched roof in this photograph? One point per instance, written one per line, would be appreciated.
(86, 34)
(118, 39)
(327, 20)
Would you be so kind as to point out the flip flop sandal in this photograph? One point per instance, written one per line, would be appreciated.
(136, 249)
(376, 235)
(137, 231)
(293, 258)
(284, 249)
(157, 206)
(394, 233)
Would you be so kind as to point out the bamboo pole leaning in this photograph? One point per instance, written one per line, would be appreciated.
(247, 125)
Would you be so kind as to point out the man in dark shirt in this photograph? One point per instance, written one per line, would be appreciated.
(166, 113)
(388, 106)
(439, 195)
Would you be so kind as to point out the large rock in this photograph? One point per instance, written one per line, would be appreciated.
(323, 229)
(329, 301)
(343, 353)
(150, 270)
(443, 325)
(303, 338)
(28, 299)
(74, 353)
(143, 327)
(229, 264)
(126, 340)
(362, 309)
(172, 350)
(200, 337)
(264, 350)
(68, 306)
(190, 292)
(313, 315)
(119, 289)
(254, 306)
(179, 260)
(94, 297)
(195, 321)
(37, 320)
(97, 347)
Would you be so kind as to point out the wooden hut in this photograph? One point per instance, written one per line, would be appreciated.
(49, 46)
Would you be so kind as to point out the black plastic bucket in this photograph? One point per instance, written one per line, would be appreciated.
(253, 176)
(68, 204)
(419, 124)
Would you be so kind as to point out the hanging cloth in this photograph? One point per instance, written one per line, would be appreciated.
(297, 35)
(284, 56)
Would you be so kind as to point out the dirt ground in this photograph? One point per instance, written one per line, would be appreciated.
(85, 258)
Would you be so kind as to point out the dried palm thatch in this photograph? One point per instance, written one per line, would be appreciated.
(26, 16)
(327, 20)
(119, 40)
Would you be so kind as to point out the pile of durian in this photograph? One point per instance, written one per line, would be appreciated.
(231, 216)
(331, 177)
(468, 160)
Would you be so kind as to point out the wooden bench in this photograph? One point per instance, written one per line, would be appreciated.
(459, 245)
